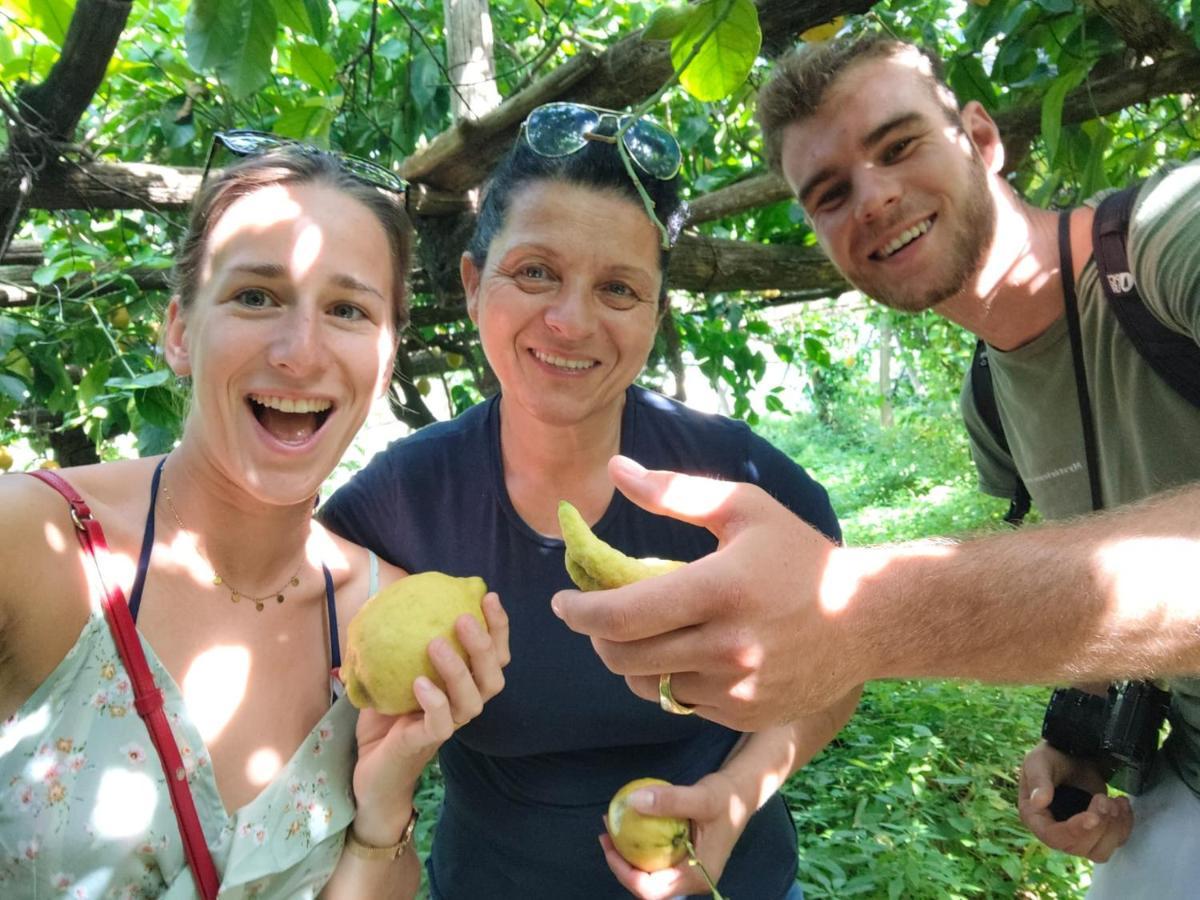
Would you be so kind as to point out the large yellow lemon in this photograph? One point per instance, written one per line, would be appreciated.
(386, 640)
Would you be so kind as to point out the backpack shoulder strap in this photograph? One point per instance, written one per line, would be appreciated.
(1173, 356)
(984, 394)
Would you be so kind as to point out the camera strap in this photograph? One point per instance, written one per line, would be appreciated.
(1067, 271)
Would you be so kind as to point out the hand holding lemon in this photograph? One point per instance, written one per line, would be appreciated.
(651, 843)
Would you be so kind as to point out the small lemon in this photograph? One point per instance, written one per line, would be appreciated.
(49, 464)
(119, 317)
(824, 32)
(454, 360)
(6, 459)
(648, 843)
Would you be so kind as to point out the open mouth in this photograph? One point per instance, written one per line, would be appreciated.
(564, 363)
(903, 239)
(290, 420)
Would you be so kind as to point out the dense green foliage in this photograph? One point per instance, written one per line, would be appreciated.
(369, 78)
(916, 798)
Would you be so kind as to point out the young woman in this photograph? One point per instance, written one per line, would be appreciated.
(565, 280)
(290, 293)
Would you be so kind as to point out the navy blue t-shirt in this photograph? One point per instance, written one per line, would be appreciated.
(528, 781)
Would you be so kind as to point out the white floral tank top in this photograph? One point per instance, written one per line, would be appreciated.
(85, 812)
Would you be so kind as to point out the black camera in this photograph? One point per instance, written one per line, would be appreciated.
(1119, 729)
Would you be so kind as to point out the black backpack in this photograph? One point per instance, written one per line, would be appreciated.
(1173, 356)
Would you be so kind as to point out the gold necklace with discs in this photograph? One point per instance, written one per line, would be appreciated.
(235, 595)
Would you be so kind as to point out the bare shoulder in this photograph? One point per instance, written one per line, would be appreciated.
(46, 590)
(36, 534)
(350, 566)
(44, 593)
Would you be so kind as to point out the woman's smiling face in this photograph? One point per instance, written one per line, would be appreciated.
(567, 302)
(289, 336)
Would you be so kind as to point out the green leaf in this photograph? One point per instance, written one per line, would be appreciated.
(308, 121)
(425, 79)
(45, 275)
(148, 380)
(309, 17)
(251, 68)
(314, 66)
(154, 440)
(157, 406)
(214, 31)
(1052, 105)
(93, 382)
(1196, 22)
(724, 59)
(13, 388)
(666, 22)
(51, 18)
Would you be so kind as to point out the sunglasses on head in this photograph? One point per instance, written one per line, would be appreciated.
(246, 142)
(560, 129)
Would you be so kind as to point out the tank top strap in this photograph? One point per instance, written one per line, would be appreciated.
(335, 651)
(139, 581)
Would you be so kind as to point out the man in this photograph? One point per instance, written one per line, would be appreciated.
(904, 192)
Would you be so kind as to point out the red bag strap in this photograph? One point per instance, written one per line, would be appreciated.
(147, 697)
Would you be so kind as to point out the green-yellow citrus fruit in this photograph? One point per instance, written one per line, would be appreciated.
(120, 317)
(595, 566)
(648, 843)
(823, 32)
(6, 459)
(387, 640)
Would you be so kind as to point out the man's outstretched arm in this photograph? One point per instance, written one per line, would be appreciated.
(778, 621)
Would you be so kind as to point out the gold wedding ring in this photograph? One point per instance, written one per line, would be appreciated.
(667, 700)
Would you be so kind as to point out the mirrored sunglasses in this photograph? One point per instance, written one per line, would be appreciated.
(560, 129)
(246, 142)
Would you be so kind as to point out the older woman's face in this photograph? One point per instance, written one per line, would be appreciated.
(289, 337)
(567, 304)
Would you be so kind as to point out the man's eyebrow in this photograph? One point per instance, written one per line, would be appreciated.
(879, 132)
(873, 137)
(273, 270)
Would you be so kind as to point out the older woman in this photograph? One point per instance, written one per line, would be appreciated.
(286, 327)
(565, 279)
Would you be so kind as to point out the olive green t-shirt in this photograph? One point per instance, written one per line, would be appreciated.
(1148, 436)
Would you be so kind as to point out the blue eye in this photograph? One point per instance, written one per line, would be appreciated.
(348, 311)
(254, 298)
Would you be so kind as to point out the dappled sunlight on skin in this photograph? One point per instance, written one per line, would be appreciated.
(185, 555)
(263, 765)
(126, 799)
(322, 549)
(750, 658)
(847, 570)
(768, 786)
(274, 205)
(55, 539)
(308, 247)
(696, 496)
(1143, 580)
(214, 686)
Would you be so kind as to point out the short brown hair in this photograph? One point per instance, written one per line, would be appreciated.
(292, 165)
(801, 80)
